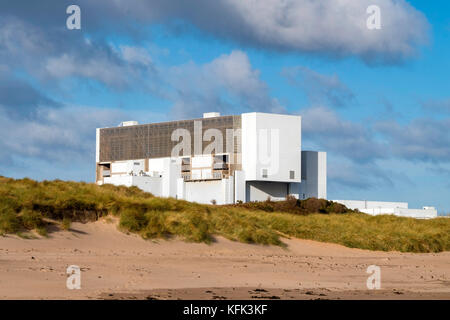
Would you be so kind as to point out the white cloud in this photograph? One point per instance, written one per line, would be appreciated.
(108, 70)
(136, 55)
(330, 28)
(333, 27)
(98, 68)
(234, 71)
(62, 135)
(228, 84)
(52, 55)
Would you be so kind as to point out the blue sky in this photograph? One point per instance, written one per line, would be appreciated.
(378, 101)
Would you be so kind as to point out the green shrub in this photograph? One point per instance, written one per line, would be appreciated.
(132, 220)
(66, 222)
(42, 231)
(9, 221)
(154, 225)
(31, 219)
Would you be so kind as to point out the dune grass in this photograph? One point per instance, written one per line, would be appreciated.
(29, 205)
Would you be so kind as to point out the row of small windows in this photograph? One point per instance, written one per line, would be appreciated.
(291, 174)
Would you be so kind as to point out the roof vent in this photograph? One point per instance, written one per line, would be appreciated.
(128, 123)
(211, 114)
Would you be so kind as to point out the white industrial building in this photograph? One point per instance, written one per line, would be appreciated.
(219, 159)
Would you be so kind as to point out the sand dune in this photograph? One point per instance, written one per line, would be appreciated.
(116, 265)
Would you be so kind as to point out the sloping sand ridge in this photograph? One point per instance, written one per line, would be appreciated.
(118, 265)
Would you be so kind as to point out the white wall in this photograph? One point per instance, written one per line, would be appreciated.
(119, 167)
(181, 189)
(272, 142)
(416, 213)
(364, 204)
(201, 161)
(147, 184)
(376, 211)
(156, 164)
(314, 175)
(403, 212)
(165, 186)
(249, 145)
(261, 190)
(204, 191)
(119, 180)
(228, 190)
(239, 186)
(171, 173)
(125, 167)
(385, 207)
(322, 175)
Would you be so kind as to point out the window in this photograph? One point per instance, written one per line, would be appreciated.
(264, 173)
(291, 174)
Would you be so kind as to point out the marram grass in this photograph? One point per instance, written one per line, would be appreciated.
(29, 205)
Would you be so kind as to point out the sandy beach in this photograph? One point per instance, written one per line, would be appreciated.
(115, 265)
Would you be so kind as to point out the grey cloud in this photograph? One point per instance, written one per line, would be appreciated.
(352, 140)
(439, 171)
(358, 176)
(98, 67)
(56, 53)
(422, 139)
(387, 112)
(21, 100)
(57, 135)
(360, 149)
(343, 174)
(329, 28)
(436, 105)
(320, 88)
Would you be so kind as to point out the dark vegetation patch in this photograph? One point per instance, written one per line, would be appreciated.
(295, 206)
